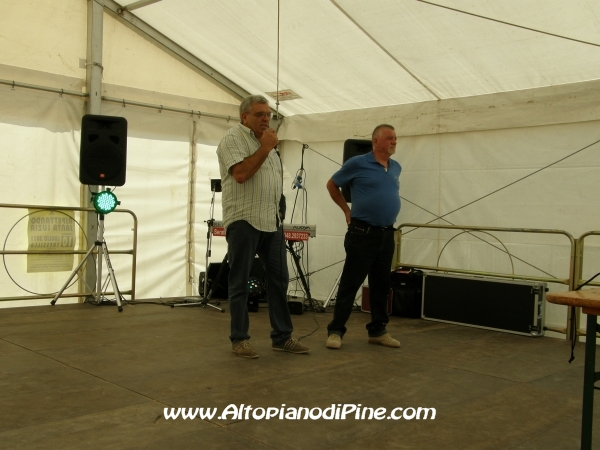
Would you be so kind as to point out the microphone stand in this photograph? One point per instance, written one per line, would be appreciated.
(203, 300)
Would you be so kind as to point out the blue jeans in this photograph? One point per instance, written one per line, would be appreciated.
(367, 253)
(243, 243)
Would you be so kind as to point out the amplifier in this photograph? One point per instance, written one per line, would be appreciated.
(296, 306)
(365, 306)
(492, 303)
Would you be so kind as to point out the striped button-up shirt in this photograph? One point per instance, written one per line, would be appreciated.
(257, 200)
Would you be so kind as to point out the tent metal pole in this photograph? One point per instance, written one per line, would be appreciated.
(95, 20)
(189, 112)
(139, 4)
(16, 84)
(94, 56)
(121, 101)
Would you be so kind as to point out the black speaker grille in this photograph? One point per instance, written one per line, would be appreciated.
(354, 147)
(103, 151)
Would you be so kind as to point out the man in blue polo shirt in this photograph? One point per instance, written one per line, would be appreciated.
(369, 242)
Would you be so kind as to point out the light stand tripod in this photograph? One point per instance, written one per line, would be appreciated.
(203, 300)
(101, 250)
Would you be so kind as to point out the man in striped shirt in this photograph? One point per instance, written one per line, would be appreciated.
(252, 181)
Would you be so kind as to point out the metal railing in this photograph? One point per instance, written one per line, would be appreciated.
(566, 281)
(574, 261)
(578, 280)
(132, 251)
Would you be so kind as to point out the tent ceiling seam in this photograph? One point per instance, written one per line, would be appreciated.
(165, 43)
(376, 42)
(509, 23)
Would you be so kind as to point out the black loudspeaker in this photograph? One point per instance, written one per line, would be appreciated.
(103, 150)
(257, 271)
(256, 282)
(354, 147)
(252, 304)
(220, 290)
(296, 306)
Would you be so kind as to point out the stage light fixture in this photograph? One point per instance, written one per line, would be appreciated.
(105, 202)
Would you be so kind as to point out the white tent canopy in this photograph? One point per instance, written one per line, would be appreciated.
(350, 54)
(482, 94)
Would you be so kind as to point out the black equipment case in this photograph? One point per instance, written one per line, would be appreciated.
(407, 285)
(512, 306)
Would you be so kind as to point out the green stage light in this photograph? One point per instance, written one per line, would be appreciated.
(105, 202)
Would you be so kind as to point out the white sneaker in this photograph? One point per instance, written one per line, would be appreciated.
(334, 341)
(386, 340)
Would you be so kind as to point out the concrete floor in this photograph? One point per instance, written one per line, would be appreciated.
(83, 376)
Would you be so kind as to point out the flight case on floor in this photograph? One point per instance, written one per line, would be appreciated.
(497, 304)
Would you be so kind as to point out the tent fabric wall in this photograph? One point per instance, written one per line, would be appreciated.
(50, 37)
(578, 102)
(40, 149)
(442, 172)
(512, 102)
(40, 157)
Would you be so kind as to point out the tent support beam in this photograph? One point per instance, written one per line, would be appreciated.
(164, 42)
(417, 79)
(139, 4)
(94, 69)
(93, 65)
(122, 101)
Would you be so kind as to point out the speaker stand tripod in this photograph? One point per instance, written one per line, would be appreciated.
(335, 285)
(204, 299)
(101, 251)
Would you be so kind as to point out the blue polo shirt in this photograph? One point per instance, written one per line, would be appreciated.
(375, 192)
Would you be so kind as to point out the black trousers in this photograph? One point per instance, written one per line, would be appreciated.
(369, 251)
(243, 242)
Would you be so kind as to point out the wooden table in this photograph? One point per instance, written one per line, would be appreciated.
(589, 301)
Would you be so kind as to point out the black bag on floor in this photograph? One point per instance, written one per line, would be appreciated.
(407, 284)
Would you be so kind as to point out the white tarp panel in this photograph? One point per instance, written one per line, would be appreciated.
(45, 36)
(327, 58)
(142, 65)
(578, 102)
(39, 153)
(441, 173)
(512, 101)
(40, 156)
(50, 37)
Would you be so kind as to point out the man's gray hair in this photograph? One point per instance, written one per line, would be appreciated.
(379, 127)
(249, 101)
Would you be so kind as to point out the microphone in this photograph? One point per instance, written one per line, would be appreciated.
(297, 183)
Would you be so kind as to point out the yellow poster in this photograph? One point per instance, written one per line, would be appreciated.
(50, 230)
